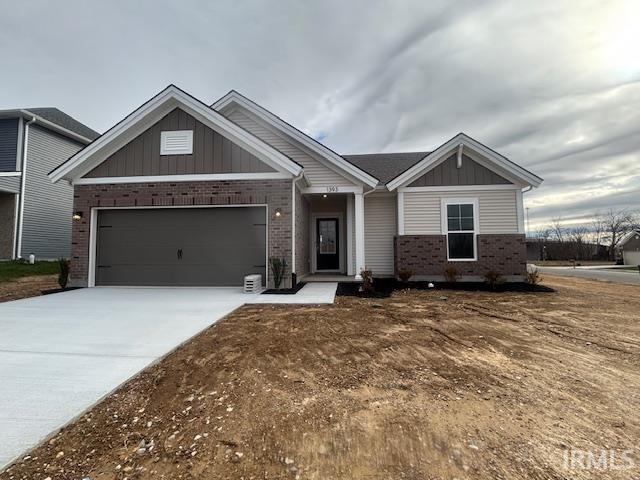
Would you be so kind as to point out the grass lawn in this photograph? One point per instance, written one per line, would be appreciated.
(430, 384)
(13, 270)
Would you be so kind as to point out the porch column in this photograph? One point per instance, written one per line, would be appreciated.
(359, 217)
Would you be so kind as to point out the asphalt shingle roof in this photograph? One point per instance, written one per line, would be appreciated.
(66, 121)
(386, 166)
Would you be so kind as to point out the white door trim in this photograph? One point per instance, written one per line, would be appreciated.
(93, 222)
(341, 236)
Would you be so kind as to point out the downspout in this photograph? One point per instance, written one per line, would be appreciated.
(23, 184)
(293, 228)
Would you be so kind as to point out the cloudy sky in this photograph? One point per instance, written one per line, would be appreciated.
(554, 86)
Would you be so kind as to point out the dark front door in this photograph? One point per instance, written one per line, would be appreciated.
(328, 245)
(180, 246)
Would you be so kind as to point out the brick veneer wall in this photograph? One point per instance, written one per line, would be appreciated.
(274, 193)
(426, 255)
(302, 235)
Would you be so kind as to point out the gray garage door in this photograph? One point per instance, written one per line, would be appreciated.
(180, 246)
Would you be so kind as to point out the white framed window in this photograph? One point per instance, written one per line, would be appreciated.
(460, 225)
(176, 142)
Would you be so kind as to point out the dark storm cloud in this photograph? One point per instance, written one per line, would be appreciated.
(548, 84)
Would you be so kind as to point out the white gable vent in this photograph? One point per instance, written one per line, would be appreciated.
(176, 142)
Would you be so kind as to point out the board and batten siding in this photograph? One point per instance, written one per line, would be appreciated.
(317, 174)
(8, 144)
(379, 230)
(498, 210)
(212, 153)
(48, 206)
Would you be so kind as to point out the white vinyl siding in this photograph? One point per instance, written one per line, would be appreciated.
(379, 230)
(317, 174)
(497, 211)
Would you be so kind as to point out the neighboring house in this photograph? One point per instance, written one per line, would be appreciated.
(35, 214)
(181, 193)
(630, 246)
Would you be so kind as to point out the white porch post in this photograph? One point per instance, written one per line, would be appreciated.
(350, 235)
(359, 217)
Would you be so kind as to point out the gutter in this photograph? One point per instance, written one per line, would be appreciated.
(55, 127)
(23, 184)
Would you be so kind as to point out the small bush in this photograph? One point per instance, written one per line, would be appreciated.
(493, 279)
(405, 275)
(451, 274)
(63, 276)
(367, 280)
(533, 277)
(278, 266)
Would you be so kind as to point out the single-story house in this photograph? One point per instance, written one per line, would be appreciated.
(183, 193)
(35, 214)
(630, 246)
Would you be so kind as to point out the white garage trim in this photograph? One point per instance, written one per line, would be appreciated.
(93, 222)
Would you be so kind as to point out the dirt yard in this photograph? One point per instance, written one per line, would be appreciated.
(25, 287)
(422, 385)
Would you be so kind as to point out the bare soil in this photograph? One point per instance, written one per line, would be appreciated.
(421, 385)
(25, 287)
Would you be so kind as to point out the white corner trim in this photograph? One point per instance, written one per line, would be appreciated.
(308, 142)
(524, 176)
(476, 224)
(350, 235)
(520, 211)
(400, 202)
(23, 188)
(142, 118)
(205, 177)
(359, 217)
(459, 188)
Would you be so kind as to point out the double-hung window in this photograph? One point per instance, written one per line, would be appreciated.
(460, 224)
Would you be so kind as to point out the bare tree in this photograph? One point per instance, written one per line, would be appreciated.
(558, 229)
(617, 223)
(598, 229)
(578, 236)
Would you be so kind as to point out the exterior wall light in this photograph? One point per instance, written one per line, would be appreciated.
(77, 216)
(278, 212)
(324, 195)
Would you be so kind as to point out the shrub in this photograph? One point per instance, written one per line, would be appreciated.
(493, 279)
(367, 280)
(533, 276)
(451, 274)
(405, 275)
(63, 275)
(278, 266)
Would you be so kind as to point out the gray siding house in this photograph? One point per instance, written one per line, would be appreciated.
(35, 214)
(184, 193)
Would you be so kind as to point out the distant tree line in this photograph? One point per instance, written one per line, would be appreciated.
(597, 241)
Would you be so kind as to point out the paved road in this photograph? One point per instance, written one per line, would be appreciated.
(61, 353)
(615, 276)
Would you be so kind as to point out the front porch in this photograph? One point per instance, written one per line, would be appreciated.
(328, 278)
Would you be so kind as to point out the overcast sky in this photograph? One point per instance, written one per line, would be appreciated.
(554, 86)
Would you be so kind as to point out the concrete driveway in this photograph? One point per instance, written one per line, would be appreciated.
(61, 353)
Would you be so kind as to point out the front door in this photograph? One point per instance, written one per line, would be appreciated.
(327, 241)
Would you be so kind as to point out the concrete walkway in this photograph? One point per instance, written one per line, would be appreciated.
(615, 276)
(311, 293)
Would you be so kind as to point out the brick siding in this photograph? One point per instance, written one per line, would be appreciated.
(274, 193)
(303, 265)
(426, 255)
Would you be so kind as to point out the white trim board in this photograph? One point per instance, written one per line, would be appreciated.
(10, 174)
(93, 226)
(182, 178)
(459, 188)
(149, 114)
(330, 190)
(308, 142)
(493, 159)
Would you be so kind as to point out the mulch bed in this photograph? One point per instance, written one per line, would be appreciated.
(284, 291)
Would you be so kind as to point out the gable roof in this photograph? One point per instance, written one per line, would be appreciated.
(56, 120)
(152, 111)
(386, 166)
(632, 234)
(490, 158)
(309, 142)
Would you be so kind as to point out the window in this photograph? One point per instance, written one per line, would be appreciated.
(460, 226)
(176, 142)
